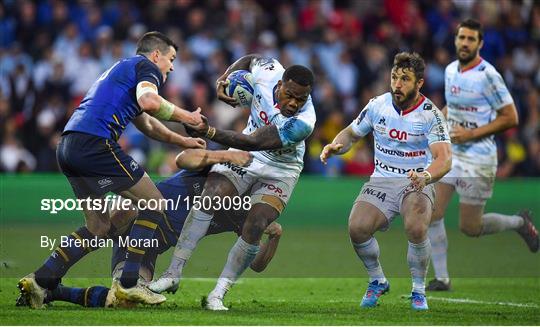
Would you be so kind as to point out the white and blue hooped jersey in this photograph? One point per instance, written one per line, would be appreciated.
(473, 97)
(264, 111)
(402, 138)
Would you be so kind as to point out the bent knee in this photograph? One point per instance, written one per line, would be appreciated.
(470, 230)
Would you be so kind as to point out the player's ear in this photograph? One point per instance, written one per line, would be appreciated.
(420, 83)
(480, 45)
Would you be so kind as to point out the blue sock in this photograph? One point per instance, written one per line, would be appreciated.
(142, 230)
(63, 257)
(92, 297)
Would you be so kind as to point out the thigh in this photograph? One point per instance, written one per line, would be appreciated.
(97, 221)
(470, 215)
(365, 219)
(240, 177)
(443, 195)
(416, 208)
(144, 189)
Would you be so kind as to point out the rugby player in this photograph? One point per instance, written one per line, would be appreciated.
(91, 159)
(478, 105)
(412, 150)
(282, 116)
(186, 183)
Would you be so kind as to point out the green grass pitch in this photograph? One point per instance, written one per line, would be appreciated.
(315, 278)
(309, 283)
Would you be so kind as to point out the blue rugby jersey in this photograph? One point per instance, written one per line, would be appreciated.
(111, 103)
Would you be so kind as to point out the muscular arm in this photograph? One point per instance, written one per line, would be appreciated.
(155, 129)
(153, 103)
(507, 117)
(346, 137)
(264, 138)
(243, 63)
(194, 159)
(442, 160)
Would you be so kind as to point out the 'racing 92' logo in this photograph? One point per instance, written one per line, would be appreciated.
(398, 135)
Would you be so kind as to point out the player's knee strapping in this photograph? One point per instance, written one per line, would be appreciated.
(70, 250)
(272, 201)
(140, 237)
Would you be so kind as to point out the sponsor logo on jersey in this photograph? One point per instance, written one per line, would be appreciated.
(464, 108)
(398, 170)
(133, 165)
(398, 135)
(428, 106)
(465, 124)
(235, 169)
(278, 191)
(399, 153)
(454, 90)
(382, 121)
(378, 194)
(105, 182)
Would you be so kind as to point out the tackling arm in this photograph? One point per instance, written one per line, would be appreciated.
(153, 128)
(195, 159)
(155, 105)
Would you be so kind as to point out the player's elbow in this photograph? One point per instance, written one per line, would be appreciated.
(258, 266)
(149, 102)
(187, 159)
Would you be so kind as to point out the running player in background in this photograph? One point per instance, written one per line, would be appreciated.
(282, 117)
(186, 183)
(412, 151)
(91, 159)
(478, 105)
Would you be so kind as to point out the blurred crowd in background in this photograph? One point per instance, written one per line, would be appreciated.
(52, 51)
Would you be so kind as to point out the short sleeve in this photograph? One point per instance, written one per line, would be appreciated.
(362, 125)
(438, 128)
(147, 71)
(496, 92)
(294, 130)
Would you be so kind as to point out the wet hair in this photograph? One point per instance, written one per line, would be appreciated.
(154, 40)
(412, 61)
(299, 74)
(474, 25)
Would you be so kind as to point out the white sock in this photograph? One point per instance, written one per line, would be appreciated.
(223, 285)
(418, 259)
(495, 222)
(439, 248)
(195, 228)
(369, 253)
(240, 257)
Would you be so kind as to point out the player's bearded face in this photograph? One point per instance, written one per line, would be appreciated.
(291, 96)
(404, 87)
(164, 61)
(467, 44)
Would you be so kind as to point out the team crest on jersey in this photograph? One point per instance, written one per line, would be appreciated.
(418, 126)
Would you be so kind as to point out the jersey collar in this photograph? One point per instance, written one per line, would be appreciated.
(480, 59)
(410, 109)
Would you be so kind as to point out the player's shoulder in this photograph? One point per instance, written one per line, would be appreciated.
(429, 110)
(266, 69)
(487, 69)
(452, 67)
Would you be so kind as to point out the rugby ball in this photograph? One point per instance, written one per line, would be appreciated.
(240, 87)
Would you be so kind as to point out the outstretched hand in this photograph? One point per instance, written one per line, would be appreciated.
(329, 150)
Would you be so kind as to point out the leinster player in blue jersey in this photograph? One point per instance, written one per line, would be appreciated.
(187, 183)
(94, 163)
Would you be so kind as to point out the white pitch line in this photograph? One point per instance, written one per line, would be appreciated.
(457, 300)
